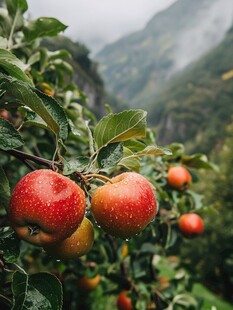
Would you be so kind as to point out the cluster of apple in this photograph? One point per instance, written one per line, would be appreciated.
(190, 224)
(48, 209)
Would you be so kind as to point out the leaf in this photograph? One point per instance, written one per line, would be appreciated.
(185, 300)
(4, 189)
(14, 6)
(9, 244)
(198, 161)
(152, 150)
(110, 155)
(129, 162)
(13, 66)
(78, 164)
(9, 136)
(197, 199)
(41, 27)
(45, 106)
(120, 127)
(37, 291)
(135, 145)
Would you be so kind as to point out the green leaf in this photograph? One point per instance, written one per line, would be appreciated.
(129, 162)
(152, 150)
(9, 244)
(13, 66)
(135, 145)
(120, 127)
(79, 164)
(38, 291)
(45, 106)
(185, 300)
(198, 161)
(110, 155)
(14, 6)
(9, 136)
(41, 27)
(4, 189)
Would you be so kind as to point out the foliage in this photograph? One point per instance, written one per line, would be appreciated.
(50, 127)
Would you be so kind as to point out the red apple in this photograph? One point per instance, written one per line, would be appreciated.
(4, 114)
(124, 302)
(179, 177)
(46, 207)
(78, 244)
(124, 207)
(191, 224)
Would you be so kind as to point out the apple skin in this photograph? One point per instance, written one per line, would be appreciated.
(191, 224)
(124, 207)
(179, 178)
(124, 302)
(46, 207)
(4, 114)
(87, 285)
(78, 244)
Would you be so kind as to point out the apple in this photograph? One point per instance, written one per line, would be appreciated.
(4, 114)
(78, 244)
(124, 302)
(87, 285)
(46, 89)
(179, 178)
(125, 206)
(191, 224)
(46, 207)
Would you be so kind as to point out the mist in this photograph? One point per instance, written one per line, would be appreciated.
(208, 30)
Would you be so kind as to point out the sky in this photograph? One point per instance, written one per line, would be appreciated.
(98, 22)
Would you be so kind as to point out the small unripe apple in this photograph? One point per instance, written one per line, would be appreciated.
(124, 207)
(78, 244)
(124, 302)
(179, 178)
(46, 207)
(191, 224)
(87, 285)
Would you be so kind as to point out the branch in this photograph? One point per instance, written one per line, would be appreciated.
(24, 157)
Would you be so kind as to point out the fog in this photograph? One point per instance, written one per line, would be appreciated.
(97, 23)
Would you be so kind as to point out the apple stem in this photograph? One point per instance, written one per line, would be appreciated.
(33, 230)
(99, 176)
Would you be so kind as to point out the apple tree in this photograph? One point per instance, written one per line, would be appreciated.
(100, 188)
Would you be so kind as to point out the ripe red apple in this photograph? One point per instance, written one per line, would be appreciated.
(179, 177)
(124, 302)
(191, 224)
(78, 244)
(46, 207)
(4, 114)
(124, 207)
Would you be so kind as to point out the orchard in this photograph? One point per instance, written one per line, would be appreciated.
(92, 209)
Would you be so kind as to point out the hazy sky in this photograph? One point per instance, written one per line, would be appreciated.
(98, 22)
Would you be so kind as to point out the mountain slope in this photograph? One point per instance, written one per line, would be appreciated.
(134, 67)
(197, 105)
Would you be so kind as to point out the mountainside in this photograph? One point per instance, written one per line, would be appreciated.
(197, 105)
(135, 67)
